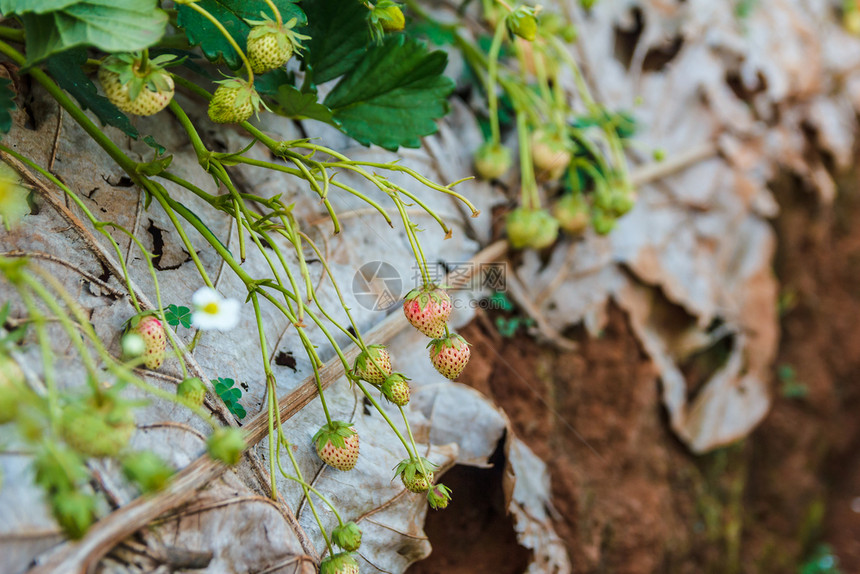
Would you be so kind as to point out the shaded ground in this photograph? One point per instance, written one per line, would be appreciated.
(630, 498)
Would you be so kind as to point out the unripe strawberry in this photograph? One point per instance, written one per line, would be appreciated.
(428, 309)
(234, 101)
(572, 213)
(368, 364)
(341, 563)
(602, 221)
(150, 329)
(134, 87)
(12, 390)
(416, 476)
(268, 48)
(396, 389)
(621, 201)
(336, 444)
(550, 153)
(99, 426)
(439, 496)
(533, 228)
(227, 445)
(388, 15)
(492, 160)
(147, 470)
(192, 391)
(74, 511)
(449, 355)
(522, 22)
(347, 536)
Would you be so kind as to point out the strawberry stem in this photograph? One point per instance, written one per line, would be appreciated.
(492, 74)
(376, 405)
(277, 13)
(217, 23)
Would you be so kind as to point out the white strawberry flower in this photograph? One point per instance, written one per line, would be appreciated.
(214, 312)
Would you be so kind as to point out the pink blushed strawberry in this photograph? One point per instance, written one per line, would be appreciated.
(150, 329)
(449, 355)
(336, 444)
(428, 309)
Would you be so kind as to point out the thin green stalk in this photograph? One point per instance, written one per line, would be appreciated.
(46, 354)
(12, 34)
(412, 440)
(277, 12)
(376, 405)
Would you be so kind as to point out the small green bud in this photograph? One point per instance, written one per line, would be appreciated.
(226, 444)
(492, 160)
(439, 496)
(74, 511)
(192, 390)
(522, 22)
(147, 470)
(347, 536)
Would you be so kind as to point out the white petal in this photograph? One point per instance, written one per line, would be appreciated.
(204, 296)
(204, 321)
(228, 314)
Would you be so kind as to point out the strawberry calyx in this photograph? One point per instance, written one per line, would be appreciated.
(335, 432)
(426, 295)
(522, 22)
(439, 496)
(347, 536)
(416, 473)
(287, 37)
(139, 72)
(454, 341)
(385, 16)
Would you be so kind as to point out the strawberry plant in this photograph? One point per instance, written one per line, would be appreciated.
(353, 66)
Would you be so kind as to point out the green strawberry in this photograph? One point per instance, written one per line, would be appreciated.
(192, 390)
(387, 15)
(492, 160)
(373, 365)
(602, 221)
(522, 22)
(336, 444)
(572, 213)
(98, 426)
(234, 101)
(413, 477)
(12, 389)
(534, 228)
(550, 154)
(134, 87)
(150, 329)
(347, 536)
(439, 496)
(396, 389)
(427, 309)
(449, 355)
(227, 445)
(147, 470)
(270, 45)
(74, 511)
(342, 563)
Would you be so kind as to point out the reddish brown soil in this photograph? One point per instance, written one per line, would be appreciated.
(630, 498)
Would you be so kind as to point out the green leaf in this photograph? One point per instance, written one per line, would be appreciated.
(230, 396)
(294, 104)
(436, 33)
(269, 83)
(232, 14)
(7, 104)
(339, 37)
(178, 316)
(38, 6)
(394, 96)
(110, 25)
(66, 69)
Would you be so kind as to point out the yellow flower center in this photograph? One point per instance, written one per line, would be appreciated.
(211, 308)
